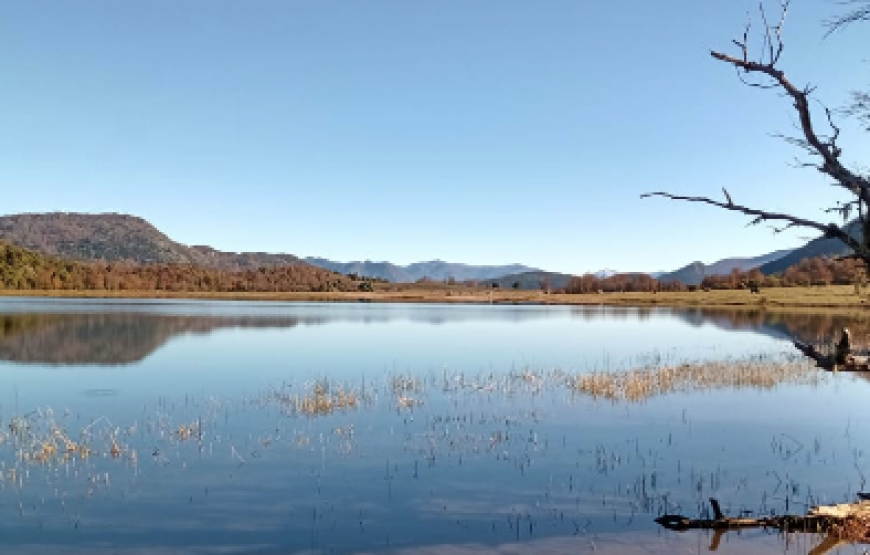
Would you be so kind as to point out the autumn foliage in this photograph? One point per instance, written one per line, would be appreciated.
(811, 271)
(619, 283)
(21, 269)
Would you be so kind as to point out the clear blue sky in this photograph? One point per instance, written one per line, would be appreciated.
(488, 131)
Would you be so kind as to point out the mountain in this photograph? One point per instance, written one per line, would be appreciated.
(694, 273)
(120, 238)
(436, 270)
(383, 270)
(531, 280)
(821, 246)
(690, 274)
(115, 237)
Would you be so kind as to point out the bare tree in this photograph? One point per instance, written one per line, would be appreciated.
(821, 146)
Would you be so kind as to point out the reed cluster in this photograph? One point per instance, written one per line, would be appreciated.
(644, 383)
(324, 398)
(37, 438)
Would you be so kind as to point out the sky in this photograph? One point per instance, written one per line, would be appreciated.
(483, 132)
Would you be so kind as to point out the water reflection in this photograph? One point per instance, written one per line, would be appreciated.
(119, 333)
(312, 428)
(807, 327)
(109, 339)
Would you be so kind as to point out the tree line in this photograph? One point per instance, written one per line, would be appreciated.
(21, 269)
(620, 283)
(810, 271)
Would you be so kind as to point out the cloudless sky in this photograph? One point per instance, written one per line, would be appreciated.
(476, 131)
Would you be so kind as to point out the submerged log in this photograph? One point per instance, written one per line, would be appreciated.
(843, 523)
(842, 359)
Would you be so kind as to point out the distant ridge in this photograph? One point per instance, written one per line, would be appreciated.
(113, 237)
(694, 273)
(534, 280)
(436, 270)
(821, 246)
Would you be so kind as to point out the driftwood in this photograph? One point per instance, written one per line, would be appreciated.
(841, 524)
(841, 359)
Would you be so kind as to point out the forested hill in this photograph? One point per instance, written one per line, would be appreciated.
(120, 238)
(22, 269)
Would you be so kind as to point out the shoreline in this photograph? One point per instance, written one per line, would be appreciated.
(840, 297)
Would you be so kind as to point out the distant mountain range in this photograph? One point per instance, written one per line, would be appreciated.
(531, 280)
(435, 270)
(115, 237)
(118, 237)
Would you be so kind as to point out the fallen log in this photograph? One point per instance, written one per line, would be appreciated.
(842, 359)
(842, 523)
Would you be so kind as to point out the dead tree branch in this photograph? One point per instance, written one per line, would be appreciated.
(829, 230)
(827, 149)
(823, 148)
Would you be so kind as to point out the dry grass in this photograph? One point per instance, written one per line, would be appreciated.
(833, 296)
(319, 399)
(641, 384)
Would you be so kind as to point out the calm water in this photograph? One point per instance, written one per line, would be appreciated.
(182, 427)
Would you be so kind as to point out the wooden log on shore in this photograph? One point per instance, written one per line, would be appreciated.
(842, 523)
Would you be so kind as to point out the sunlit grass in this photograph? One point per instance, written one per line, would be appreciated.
(833, 296)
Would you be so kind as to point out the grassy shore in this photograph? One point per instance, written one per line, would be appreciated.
(834, 296)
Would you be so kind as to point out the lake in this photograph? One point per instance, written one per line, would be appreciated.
(231, 427)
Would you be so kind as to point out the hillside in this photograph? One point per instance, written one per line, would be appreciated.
(821, 246)
(120, 238)
(238, 261)
(22, 269)
(435, 270)
(694, 273)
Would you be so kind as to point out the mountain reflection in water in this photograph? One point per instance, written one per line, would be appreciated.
(127, 337)
(339, 428)
(108, 339)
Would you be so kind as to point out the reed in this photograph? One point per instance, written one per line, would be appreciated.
(644, 383)
(320, 399)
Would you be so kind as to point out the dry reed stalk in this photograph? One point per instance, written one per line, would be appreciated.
(641, 384)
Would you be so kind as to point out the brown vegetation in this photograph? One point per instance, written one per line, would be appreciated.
(644, 383)
(620, 283)
(24, 270)
(811, 271)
